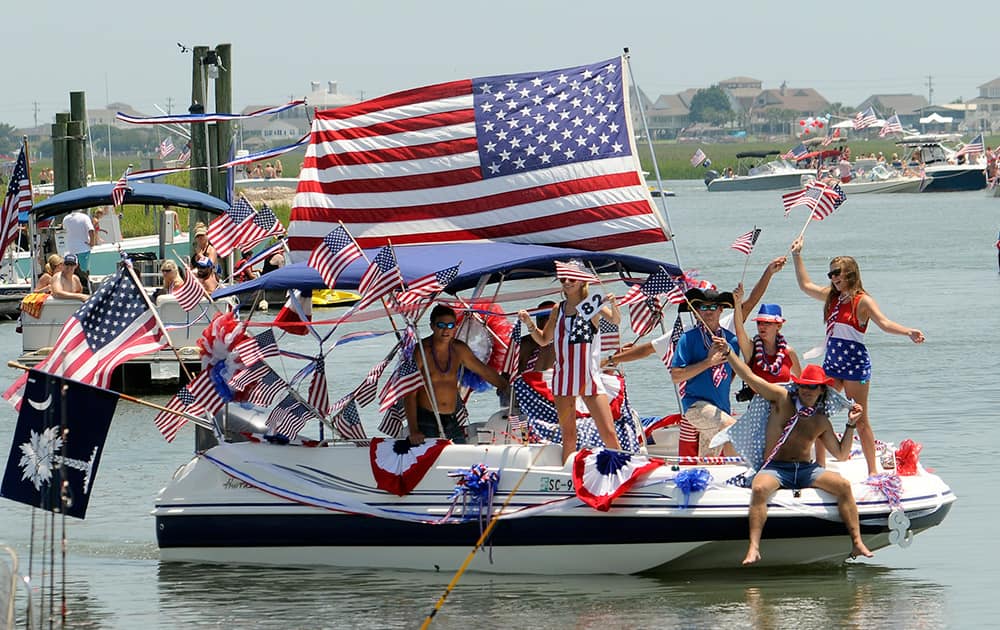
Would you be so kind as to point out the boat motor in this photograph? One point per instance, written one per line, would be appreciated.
(710, 175)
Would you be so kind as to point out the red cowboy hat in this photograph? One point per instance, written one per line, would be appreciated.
(812, 375)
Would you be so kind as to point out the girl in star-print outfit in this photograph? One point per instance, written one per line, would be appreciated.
(847, 311)
(577, 344)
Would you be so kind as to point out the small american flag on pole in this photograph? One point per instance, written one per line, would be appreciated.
(976, 145)
(267, 389)
(892, 125)
(225, 230)
(257, 348)
(166, 147)
(16, 201)
(190, 293)
(865, 119)
(261, 227)
(814, 195)
(830, 137)
(348, 422)
(426, 286)
(289, 417)
(745, 242)
(366, 391)
(380, 278)
(319, 396)
(828, 203)
(698, 157)
(334, 253)
(675, 337)
(121, 187)
(405, 379)
(795, 153)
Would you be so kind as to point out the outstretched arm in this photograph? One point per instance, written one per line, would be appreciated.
(868, 309)
(758, 290)
(542, 336)
(739, 317)
(808, 287)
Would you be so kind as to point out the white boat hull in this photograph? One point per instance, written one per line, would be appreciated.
(254, 503)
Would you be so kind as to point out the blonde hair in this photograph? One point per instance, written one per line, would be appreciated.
(53, 261)
(168, 265)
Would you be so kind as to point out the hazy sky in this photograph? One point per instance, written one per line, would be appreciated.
(128, 51)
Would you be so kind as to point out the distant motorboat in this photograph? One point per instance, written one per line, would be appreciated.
(755, 172)
(943, 172)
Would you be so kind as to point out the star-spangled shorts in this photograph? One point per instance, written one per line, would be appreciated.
(847, 360)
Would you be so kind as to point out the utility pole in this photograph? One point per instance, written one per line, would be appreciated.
(170, 105)
(34, 106)
(930, 90)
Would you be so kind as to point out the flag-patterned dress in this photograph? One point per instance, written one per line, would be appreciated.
(577, 345)
(846, 355)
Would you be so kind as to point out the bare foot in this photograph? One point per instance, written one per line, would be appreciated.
(859, 549)
(753, 555)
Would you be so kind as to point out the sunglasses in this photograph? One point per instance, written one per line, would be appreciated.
(810, 387)
(444, 325)
(710, 307)
(566, 280)
(833, 273)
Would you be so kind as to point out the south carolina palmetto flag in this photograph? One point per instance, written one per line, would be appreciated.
(538, 157)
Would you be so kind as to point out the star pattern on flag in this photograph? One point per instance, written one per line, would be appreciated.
(581, 330)
(539, 120)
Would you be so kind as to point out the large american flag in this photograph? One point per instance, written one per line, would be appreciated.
(865, 119)
(745, 242)
(333, 254)
(16, 201)
(542, 157)
(225, 230)
(976, 145)
(892, 125)
(112, 327)
(381, 277)
(121, 187)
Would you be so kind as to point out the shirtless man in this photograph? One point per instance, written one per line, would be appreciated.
(446, 355)
(65, 284)
(791, 465)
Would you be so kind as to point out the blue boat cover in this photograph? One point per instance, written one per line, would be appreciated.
(510, 261)
(140, 193)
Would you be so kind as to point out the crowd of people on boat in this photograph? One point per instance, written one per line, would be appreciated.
(703, 362)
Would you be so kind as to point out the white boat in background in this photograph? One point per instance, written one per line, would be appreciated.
(40, 332)
(755, 171)
(879, 180)
(944, 173)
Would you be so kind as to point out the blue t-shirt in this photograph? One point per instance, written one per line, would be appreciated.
(692, 349)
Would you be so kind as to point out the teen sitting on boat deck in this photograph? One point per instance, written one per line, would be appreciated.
(66, 284)
(444, 355)
(577, 345)
(847, 309)
(788, 463)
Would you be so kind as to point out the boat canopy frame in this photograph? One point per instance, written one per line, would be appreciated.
(138, 194)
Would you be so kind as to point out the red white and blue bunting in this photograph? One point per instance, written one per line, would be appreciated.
(203, 118)
(601, 476)
(399, 466)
